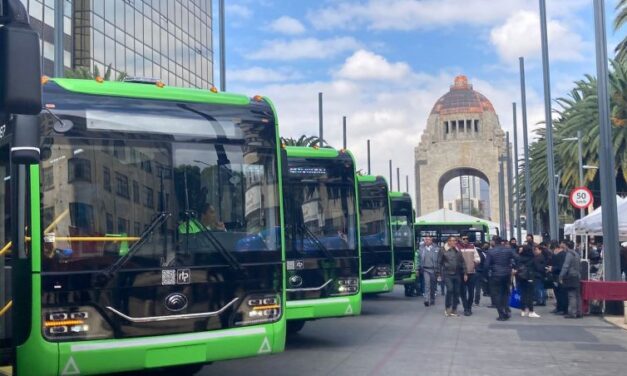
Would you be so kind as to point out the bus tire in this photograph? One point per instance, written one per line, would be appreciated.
(295, 326)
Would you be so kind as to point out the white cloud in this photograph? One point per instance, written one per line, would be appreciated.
(365, 65)
(287, 25)
(304, 48)
(238, 11)
(260, 74)
(426, 14)
(520, 36)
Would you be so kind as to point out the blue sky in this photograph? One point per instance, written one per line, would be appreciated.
(384, 63)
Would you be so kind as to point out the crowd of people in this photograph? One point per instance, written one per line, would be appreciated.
(467, 271)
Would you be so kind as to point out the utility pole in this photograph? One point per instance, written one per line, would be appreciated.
(391, 175)
(552, 193)
(222, 48)
(606, 152)
(523, 102)
(320, 125)
(344, 130)
(407, 183)
(398, 179)
(517, 184)
(368, 148)
(502, 226)
(510, 188)
(58, 38)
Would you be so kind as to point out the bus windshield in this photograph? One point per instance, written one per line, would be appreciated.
(374, 215)
(205, 196)
(320, 206)
(402, 218)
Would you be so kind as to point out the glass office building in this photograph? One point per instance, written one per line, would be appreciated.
(170, 40)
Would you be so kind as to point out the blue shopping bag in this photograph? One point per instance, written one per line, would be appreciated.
(514, 299)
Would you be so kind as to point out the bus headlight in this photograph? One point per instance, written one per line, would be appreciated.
(74, 323)
(347, 285)
(382, 271)
(258, 309)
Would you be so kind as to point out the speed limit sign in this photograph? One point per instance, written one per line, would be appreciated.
(581, 197)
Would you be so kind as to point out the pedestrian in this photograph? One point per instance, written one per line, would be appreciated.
(539, 277)
(513, 243)
(525, 272)
(557, 261)
(480, 273)
(529, 240)
(499, 263)
(570, 277)
(471, 260)
(452, 270)
(428, 268)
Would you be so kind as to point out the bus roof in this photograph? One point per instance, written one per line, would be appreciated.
(149, 91)
(404, 195)
(370, 178)
(315, 152)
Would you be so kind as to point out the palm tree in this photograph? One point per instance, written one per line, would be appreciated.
(578, 111)
(620, 21)
(85, 73)
(303, 140)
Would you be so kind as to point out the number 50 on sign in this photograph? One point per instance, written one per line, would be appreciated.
(581, 197)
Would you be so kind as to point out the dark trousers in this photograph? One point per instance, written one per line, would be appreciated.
(500, 288)
(453, 284)
(480, 285)
(526, 293)
(468, 292)
(561, 298)
(540, 292)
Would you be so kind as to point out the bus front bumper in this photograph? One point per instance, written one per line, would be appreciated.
(310, 309)
(377, 285)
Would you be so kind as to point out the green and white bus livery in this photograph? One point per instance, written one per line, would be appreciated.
(377, 257)
(321, 235)
(153, 230)
(405, 258)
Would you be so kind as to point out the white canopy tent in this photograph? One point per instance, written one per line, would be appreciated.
(592, 224)
(448, 215)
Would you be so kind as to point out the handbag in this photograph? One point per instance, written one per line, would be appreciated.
(515, 299)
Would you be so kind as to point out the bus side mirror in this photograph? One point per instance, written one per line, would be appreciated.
(20, 62)
(25, 148)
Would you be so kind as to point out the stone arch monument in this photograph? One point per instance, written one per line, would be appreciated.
(463, 137)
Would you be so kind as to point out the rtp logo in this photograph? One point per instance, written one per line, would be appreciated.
(183, 277)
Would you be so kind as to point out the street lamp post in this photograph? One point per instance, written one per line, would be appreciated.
(552, 194)
(523, 103)
(391, 188)
(320, 122)
(368, 153)
(517, 184)
(510, 187)
(580, 157)
(344, 130)
(222, 48)
(606, 152)
(501, 176)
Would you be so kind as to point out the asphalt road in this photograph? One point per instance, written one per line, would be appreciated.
(399, 336)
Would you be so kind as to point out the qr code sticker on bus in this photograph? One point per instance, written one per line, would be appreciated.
(168, 277)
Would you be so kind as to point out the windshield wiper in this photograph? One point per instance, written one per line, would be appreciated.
(306, 231)
(156, 222)
(211, 238)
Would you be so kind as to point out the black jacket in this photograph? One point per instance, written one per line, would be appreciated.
(499, 261)
(524, 265)
(539, 265)
(451, 261)
(557, 262)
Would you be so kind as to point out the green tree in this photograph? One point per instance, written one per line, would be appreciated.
(578, 111)
(85, 73)
(619, 22)
(303, 140)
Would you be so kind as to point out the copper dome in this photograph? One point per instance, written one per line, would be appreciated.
(462, 99)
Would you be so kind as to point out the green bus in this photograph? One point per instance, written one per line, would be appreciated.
(321, 235)
(377, 256)
(477, 231)
(405, 258)
(150, 233)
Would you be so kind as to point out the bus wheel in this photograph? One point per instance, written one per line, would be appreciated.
(295, 326)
